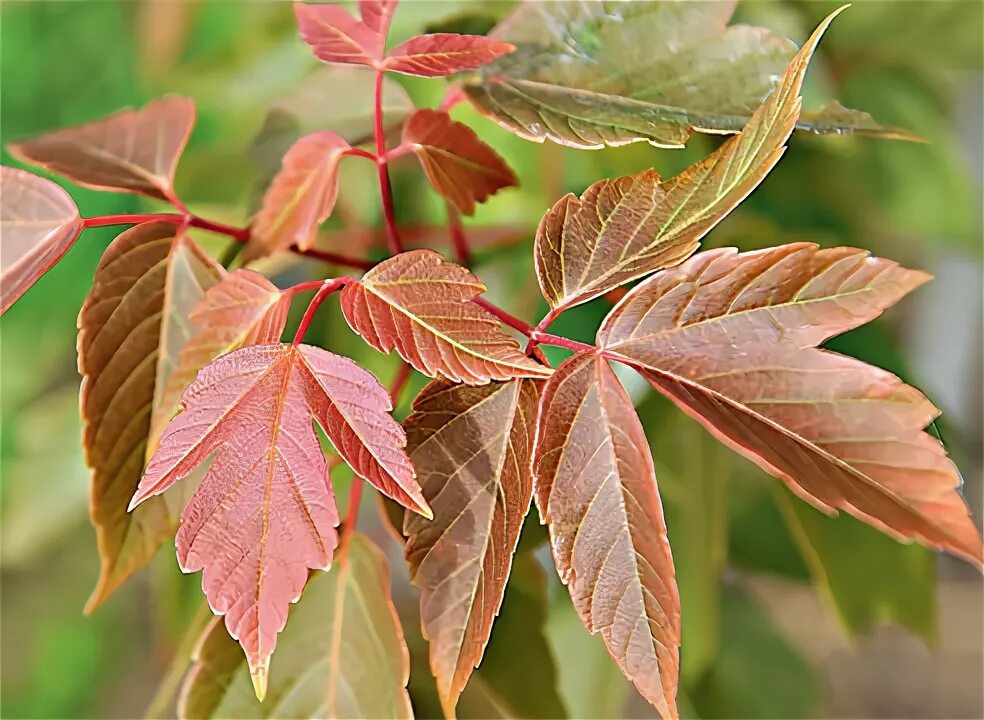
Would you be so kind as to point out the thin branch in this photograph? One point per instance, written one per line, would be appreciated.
(459, 241)
(382, 170)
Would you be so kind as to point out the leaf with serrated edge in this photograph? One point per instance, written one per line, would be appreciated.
(341, 654)
(622, 229)
(130, 151)
(440, 54)
(596, 492)
(265, 511)
(591, 74)
(123, 345)
(731, 339)
(300, 197)
(243, 308)
(471, 449)
(421, 306)
(460, 167)
(38, 224)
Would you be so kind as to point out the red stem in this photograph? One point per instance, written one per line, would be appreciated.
(327, 288)
(382, 169)
(459, 241)
(399, 382)
(537, 337)
(352, 514)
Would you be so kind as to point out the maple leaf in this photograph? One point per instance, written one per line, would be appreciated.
(460, 167)
(439, 54)
(300, 197)
(131, 151)
(731, 339)
(243, 308)
(148, 277)
(38, 224)
(336, 37)
(341, 654)
(622, 229)
(471, 449)
(591, 74)
(596, 492)
(421, 306)
(265, 512)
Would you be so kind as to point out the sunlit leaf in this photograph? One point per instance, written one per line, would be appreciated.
(619, 230)
(130, 151)
(38, 224)
(243, 308)
(460, 167)
(596, 491)
(590, 74)
(731, 339)
(265, 511)
(420, 305)
(471, 449)
(337, 37)
(341, 654)
(301, 196)
(146, 275)
(441, 54)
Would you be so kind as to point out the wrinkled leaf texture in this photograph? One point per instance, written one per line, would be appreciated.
(265, 512)
(731, 339)
(341, 654)
(591, 74)
(131, 151)
(421, 306)
(622, 229)
(147, 275)
(471, 448)
(460, 167)
(596, 492)
(300, 197)
(38, 224)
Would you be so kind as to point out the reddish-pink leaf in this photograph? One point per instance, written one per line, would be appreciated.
(300, 197)
(38, 224)
(462, 168)
(337, 37)
(130, 151)
(441, 54)
(421, 306)
(471, 448)
(731, 339)
(265, 513)
(596, 491)
(244, 308)
(129, 326)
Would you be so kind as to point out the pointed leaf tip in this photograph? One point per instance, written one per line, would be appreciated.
(259, 677)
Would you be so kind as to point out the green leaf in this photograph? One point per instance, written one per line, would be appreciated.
(758, 674)
(594, 74)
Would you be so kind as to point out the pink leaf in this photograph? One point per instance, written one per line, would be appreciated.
(337, 37)
(441, 54)
(38, 223)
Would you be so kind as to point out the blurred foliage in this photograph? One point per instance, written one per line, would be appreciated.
(64, 63)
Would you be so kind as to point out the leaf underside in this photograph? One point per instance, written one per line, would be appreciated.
(591, 74)
(732, 340)
(471, 449)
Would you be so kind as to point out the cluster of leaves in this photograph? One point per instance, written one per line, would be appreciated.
(182, 359)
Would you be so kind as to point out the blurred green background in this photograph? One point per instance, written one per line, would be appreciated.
(786, 613)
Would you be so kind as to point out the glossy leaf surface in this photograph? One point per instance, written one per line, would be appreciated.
(142, 279)
(243, 308)
(300, 197)
(341, 655)
(265, 512)
(131, 151)
(621, 229)
(38, 224)
(596, 491)
(440, 54)
(731, 339)
(460, 167)
(420, 305)
(471, 448)
(590, 74)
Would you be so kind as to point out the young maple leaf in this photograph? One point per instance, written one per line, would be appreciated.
(265, 512)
